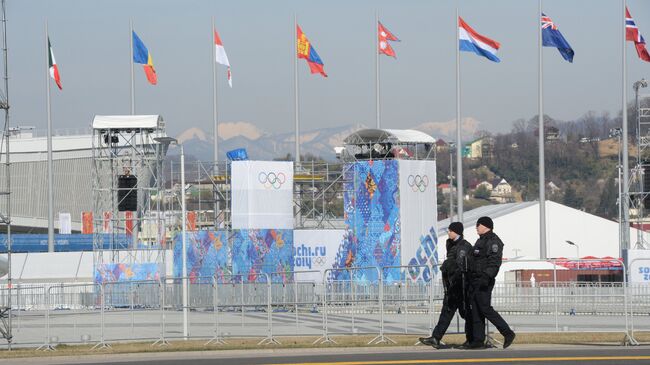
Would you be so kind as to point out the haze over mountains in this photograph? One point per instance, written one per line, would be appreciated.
(265, 145)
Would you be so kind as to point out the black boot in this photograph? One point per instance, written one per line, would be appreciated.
(431, 341)
(508, 338)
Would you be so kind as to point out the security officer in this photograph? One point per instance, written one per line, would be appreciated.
(456, 281)
(487, 254)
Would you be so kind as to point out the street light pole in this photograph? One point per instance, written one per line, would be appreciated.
(641, 197)
(626, 168)
(616, 132)
(577, 251)
(451, 181)
(184, 240)
(166, 141)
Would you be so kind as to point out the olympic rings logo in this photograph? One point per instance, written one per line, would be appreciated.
(271, 179)
(319, 260)
(417, 182)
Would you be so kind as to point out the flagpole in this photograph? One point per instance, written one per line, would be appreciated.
(459, 143)
(542, 139)
(50, 185)
(131, 63)
(295, 86)
(626, 168)
(214, 101)
(377, 69)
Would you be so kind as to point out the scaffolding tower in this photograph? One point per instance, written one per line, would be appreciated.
(128, 217)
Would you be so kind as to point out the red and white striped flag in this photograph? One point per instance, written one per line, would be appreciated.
(54, 69)
(220, 55)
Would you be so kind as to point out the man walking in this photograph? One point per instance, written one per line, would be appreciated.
(455, 281)
(487, 254)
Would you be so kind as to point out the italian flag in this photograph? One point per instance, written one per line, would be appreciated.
(54, 69)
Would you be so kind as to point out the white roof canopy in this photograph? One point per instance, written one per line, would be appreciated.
(388, 136)
(126, 121)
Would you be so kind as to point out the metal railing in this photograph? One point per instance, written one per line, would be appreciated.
(267, 307)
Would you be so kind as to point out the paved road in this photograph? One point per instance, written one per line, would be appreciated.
(518, 354)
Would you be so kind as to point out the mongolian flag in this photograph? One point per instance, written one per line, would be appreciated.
(142, 56)
(307, 52)
(54, 69)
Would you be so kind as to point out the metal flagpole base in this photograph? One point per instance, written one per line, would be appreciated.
(101, 345)
(217, 340)
(629, 340)
(160, 342)
(491, 342)
(46, 347)
(269, 340)
(324, 339)
(381, 339)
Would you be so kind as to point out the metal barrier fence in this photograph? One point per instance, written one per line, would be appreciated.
(230, 306)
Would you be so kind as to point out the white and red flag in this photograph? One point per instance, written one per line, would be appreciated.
(54, 69)
(384, 36)
(633, 34)
(220, 55)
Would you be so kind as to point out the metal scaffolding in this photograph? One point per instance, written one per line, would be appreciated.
(121, 151)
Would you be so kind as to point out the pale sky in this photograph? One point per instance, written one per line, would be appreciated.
(90, 39)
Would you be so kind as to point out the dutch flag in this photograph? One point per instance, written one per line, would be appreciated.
(470, 41)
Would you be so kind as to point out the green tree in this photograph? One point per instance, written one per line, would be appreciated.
(572, 199)
(482, 193)
(607, 207)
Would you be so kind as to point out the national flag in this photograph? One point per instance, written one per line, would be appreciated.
(384, 36)
(633, 34)
(142, 56)
(551, 37)
(307, 52)
(220, 55)
(54, 69)
(470, 41)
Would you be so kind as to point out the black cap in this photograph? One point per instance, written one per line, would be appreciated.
(456, 227)
(485, 222)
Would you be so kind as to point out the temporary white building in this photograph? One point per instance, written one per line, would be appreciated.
(517, 224)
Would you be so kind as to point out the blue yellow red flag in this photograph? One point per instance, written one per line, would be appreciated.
(307, 52)
(142, 56)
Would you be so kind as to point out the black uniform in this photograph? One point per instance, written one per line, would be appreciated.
(487, 255)
(455, 278)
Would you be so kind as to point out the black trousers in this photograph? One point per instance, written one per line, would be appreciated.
(450, 305)
(482, 310)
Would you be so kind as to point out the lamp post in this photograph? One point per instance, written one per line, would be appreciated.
(639, 213)
(577, 250)
(617, 132)
(169, 140)
(452, 145)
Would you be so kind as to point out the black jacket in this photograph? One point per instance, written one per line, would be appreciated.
(458, 259)
(487, 254)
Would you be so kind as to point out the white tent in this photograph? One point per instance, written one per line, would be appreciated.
(517, 224)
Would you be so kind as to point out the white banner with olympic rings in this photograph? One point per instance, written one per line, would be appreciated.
(418, 210)
(262, 194)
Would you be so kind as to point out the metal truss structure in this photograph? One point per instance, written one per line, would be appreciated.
(138, 235)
